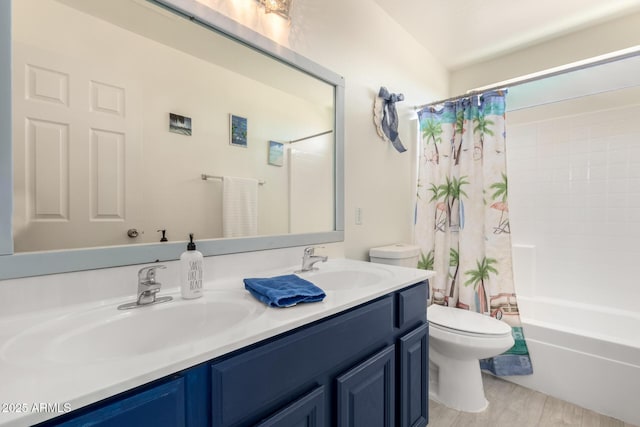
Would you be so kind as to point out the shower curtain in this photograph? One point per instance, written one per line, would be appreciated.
(462, 215)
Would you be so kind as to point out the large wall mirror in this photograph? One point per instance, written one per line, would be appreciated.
(135, 116)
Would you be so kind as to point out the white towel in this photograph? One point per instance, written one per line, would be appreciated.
(239, 207)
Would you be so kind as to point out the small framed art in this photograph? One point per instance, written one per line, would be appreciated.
(276, 153)
(238, 131)
(179, 124)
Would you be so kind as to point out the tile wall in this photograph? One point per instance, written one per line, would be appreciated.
(574, 196)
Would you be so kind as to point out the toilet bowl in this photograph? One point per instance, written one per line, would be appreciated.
(458, 339)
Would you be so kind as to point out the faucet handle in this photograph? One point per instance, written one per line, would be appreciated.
(148, 274)
(310, 250)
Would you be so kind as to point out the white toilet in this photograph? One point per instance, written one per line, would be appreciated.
(458, 339)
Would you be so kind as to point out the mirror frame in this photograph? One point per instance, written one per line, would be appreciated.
(28, 264)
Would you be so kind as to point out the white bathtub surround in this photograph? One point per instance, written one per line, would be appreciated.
(584, 354)
(38, 362)
(462, 214)
(574, 179)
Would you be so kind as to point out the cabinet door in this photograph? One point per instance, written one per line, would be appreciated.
(414, 368)
(161, 406)
(308, 411)
(366, 392)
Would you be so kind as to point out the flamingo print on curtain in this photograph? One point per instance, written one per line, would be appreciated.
(462, 215)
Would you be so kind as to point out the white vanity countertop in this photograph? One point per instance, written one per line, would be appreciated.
(38, 384)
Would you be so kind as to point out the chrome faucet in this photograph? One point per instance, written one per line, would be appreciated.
(148, 287)
(309, 259)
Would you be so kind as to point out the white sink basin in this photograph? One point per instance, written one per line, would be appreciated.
(105, 333)
(336, 277)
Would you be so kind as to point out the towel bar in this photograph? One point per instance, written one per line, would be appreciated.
(205, 177)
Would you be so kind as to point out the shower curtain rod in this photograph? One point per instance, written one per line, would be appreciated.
(310, 136)
(551, 72)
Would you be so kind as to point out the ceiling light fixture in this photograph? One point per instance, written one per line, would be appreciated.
(280, 7)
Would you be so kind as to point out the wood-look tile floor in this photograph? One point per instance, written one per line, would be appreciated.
(514, 406)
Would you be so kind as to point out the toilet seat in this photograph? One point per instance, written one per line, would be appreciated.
(466, 322)
(459, 332)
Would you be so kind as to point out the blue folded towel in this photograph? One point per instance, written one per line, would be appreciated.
(283, 291)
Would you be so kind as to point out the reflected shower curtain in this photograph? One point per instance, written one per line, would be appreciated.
(462, 215)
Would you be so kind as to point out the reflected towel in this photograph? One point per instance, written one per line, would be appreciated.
(283, 291)
(239, 207)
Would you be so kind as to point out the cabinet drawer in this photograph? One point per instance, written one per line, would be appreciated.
(161, 406)
(245, 385)
(410, 306)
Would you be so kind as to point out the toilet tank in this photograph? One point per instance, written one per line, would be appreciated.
(398, 254)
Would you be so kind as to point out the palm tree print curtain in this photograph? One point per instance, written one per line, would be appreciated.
(462, 215)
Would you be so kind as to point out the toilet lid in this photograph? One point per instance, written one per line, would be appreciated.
(466, 321)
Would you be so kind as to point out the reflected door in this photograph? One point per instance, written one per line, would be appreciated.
(73, 129)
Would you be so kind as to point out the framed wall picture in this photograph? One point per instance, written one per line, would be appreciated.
(238, 131)
(179, 124)
(276, 153)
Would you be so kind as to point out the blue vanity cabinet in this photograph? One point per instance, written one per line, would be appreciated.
(363, 367)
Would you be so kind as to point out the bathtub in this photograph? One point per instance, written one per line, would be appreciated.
(584, 354)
